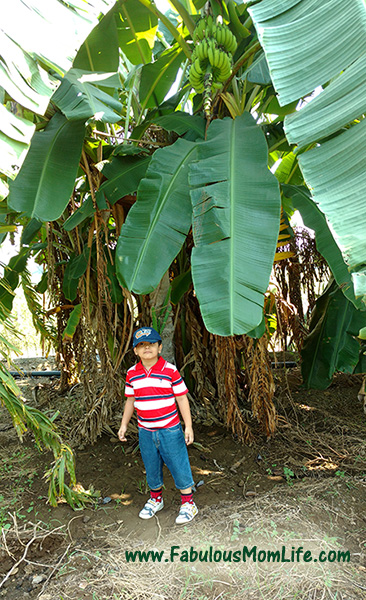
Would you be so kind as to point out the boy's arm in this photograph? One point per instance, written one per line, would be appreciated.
(185, 411)
(126, 417)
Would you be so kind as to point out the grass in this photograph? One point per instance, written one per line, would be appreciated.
(291, 516)
(17, 475)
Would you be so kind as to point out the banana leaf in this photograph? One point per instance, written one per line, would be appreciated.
(158, 222)
(136, 31)
(79, 99)
(15, 127)
(309, 43)
(75, 269)
(181, 122)
(82, 213)
(46, 180)
(100, 52)
(325, 243)
(112, 281)
(331, 344)
(72, 323)
(337, 175)
(236, 218)
(124, 174)
(9, 282)
(29, 231)
(158, 77)
(12, 155)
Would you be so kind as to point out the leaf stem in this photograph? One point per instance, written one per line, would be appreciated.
(187, 19)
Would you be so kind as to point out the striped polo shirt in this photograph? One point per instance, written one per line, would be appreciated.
(154, 391)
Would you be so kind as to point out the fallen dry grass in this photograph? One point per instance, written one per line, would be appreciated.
(326, 515)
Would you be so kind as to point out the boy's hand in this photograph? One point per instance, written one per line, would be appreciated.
(122, 433)
(189, 436)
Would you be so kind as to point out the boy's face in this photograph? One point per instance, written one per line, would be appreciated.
(147, 350)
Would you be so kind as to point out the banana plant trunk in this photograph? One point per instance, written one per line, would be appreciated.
(159, 306)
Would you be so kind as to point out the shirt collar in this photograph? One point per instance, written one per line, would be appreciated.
(157, 367)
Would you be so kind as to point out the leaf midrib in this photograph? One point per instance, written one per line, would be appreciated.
(232, 241)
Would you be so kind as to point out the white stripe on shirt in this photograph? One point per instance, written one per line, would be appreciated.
(151, 382)
(179, 389)
(156, 424)
(153, 404)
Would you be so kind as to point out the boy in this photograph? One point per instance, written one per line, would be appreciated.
(153, 386)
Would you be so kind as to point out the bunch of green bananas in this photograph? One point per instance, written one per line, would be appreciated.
(212, 55)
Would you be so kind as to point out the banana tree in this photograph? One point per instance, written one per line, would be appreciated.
(114, 157)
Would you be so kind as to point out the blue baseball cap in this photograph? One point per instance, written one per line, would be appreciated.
(145, 334)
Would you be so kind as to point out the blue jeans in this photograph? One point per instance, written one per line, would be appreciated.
(165, 446)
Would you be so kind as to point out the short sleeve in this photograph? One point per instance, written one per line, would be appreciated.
(178, 385)
(129, 392)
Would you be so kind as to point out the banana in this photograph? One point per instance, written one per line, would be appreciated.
(199, 30)
(201, 55)
(221, 60)
(211, 50)
(233, 44)
(226, 63)
(205, 47)
(218, 34)
(209, 23)
(217, 57)
(224, 75)
(197, 67)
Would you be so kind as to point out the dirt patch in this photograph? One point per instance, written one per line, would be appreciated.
(305, 488)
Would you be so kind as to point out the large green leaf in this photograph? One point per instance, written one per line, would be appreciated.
(342, 101)
(82, 213)
(10, 280)
(181, 122)
(52, 30)
(75, 269)
(337, 173)
(12, 155)
(100, 52)
(158, 77)
(72, 323)
(325, 243)
(46, 180)
(331, 344)
(236, 218)
(309, 43)
(36, 39)
(79, 99)
(15, 127)
(124, 174)
(22, 77)
(136, 31)
(159, 221)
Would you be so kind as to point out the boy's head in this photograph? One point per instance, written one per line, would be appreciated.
(145, 334)
(147, 344)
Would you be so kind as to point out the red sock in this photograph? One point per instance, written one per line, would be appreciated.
(157, 494)
(187, 498)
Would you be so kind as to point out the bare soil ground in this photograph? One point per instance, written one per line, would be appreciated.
(305, 488)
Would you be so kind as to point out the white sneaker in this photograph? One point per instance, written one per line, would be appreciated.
(187, 512)
(151, 507)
